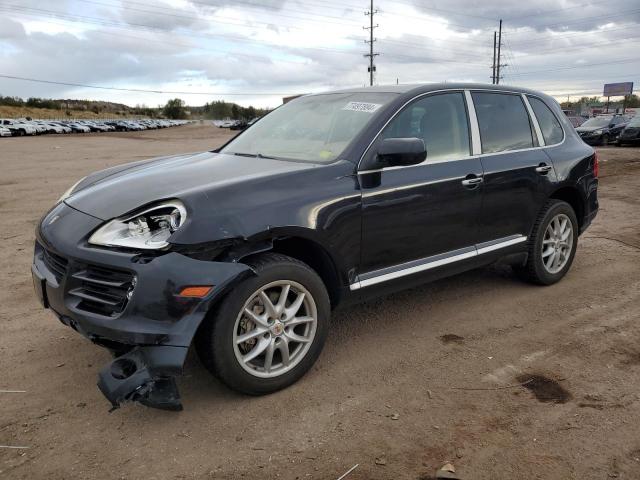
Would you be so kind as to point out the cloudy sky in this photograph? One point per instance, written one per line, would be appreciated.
(255, 51)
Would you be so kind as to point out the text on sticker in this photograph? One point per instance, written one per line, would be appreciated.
(362, 107)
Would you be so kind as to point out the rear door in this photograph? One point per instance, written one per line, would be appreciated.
(414, 212)
(516, 170)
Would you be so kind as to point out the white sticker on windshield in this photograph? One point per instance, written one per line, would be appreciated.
(362, 107)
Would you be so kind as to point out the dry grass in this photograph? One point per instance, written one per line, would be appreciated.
(48, 113)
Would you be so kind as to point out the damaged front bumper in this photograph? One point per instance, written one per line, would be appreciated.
(146, 375)
(127, 303)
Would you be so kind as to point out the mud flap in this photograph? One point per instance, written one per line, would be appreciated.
(145, 375)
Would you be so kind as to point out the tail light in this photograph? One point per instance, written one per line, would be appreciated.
(596, 165)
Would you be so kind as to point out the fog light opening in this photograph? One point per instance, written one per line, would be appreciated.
(123, 368)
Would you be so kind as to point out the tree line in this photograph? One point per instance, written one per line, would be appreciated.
(174, 108)
(216, 110)
(633, 101)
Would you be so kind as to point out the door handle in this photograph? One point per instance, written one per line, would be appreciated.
(472, 182)
(543, 168)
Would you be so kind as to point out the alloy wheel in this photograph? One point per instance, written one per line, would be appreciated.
(557, 243)
(275, 329)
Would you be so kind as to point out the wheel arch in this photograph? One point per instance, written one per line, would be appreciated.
(298, 243)
(317, 257)
(572, 196)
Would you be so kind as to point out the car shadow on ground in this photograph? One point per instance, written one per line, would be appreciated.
(200, 390)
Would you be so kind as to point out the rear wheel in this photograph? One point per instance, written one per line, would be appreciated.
(269, 330)
(552, 245)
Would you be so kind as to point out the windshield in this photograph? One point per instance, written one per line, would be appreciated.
(315, 128)
(597, 122)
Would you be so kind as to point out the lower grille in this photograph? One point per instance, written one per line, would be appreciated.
(56, 264)
(103, 291)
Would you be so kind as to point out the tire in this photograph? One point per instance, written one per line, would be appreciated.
(217, 339)
(537, 269)
(605, 140)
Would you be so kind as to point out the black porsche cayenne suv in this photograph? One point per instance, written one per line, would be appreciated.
(332, 198)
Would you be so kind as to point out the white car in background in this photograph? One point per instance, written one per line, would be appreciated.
(40, 129)
(17, 127)
(51, 127)
(78, 127)
(5, 132)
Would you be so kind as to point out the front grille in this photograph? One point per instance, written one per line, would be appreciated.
(103, 291)
(56, 264)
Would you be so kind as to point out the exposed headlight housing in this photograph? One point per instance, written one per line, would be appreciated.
(68, 193)
(146, 230)
(596, 132)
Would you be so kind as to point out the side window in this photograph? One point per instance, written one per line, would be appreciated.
(503, 121)
(440, 120)
(549, 124)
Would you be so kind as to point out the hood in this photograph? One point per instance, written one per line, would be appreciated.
(113, 192)
(590, 129)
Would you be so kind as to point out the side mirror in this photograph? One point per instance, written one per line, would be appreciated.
(394, 152)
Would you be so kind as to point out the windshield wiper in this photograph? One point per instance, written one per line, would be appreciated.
(256, 155)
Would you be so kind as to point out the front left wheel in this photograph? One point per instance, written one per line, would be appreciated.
(269, 330)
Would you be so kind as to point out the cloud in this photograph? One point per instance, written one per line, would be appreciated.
(286, 46)
(160, 16)
(11, 30)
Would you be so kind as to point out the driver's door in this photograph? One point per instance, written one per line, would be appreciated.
(411, 213)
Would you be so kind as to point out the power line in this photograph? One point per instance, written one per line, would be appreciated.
(447, 23)
(628, 41)
(578, 21)
(288, 49)
(195, 17)
(574, 34)
(141, 90)
(537, 14)
(559, 68)
(145, 27)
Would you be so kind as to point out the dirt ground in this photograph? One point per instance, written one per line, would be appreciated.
(404, 384)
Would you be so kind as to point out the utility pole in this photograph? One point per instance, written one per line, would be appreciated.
(498, 64)
(493, 68)
(499, 45)
(371, 55)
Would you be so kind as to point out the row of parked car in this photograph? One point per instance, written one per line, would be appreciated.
(21, 127)
(616, 129)
(235, 124)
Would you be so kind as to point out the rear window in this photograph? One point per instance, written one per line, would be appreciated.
(503, 121)
(549, 124)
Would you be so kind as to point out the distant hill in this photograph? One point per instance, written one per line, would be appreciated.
(54, 114)
(61, 108)
(16, 107)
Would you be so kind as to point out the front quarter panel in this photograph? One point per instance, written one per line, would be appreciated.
(321, 204)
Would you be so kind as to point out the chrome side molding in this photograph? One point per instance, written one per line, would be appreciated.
(428, 263)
